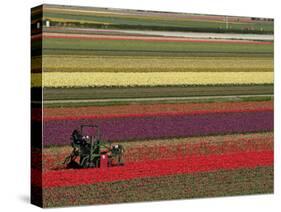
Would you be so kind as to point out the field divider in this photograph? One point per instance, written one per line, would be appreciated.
(48, 35)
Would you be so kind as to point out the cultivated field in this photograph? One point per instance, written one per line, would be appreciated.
(193, 111)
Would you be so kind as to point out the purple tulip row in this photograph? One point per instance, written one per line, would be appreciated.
(58, 132)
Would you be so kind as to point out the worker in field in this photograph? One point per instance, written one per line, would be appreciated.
(77, 137)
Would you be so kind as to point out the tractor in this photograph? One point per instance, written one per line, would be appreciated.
(90, 152)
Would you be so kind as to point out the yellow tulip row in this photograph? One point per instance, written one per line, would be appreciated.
(90, 79)
(74, 63)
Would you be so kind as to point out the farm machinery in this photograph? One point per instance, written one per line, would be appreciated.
(90, 152)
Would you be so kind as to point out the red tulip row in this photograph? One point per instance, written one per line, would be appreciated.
(148, 110)
(143, 169)
(158, 114)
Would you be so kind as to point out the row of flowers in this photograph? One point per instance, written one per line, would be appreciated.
(98, 79)
(156, 168)
(58, 132)
(166, 149)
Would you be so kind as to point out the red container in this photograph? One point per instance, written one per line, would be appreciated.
(104, 161)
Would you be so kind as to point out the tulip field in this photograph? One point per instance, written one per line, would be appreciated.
(58, 79)
(195, 115)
